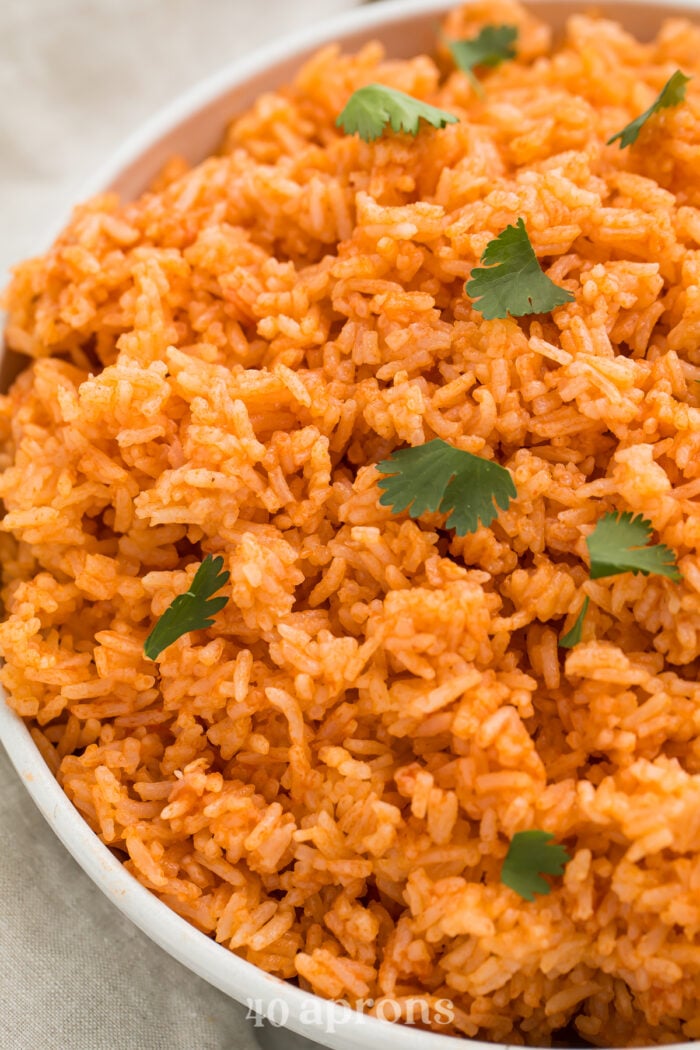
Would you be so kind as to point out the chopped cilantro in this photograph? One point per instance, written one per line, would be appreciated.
(191, 611)
(512, 281)
(436, 476)
(493, 45)
(531, 855)
(573, 637)
(371, 108)
(672, 94)
(618, 544)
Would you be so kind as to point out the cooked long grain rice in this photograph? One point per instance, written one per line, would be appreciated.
(326, 781)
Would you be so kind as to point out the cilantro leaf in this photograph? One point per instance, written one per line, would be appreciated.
(512, 281)
(191, 611)
(617, 544)
(371, 108)
(530, 855)
(672, 94)
(573, 637)
(436, 476)
(493, 45)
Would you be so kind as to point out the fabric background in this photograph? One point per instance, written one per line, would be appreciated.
(76, 76)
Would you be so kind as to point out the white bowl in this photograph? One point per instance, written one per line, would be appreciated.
(192, 126)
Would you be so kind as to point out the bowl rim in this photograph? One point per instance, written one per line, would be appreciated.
(335, 1026)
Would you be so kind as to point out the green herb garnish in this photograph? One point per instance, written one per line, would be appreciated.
(672, 94)
(530, 855)
(573, 637)
(618, 544)
(512, 281)
(191, 611)
(493, 45)
(436, 476)
(371, 108)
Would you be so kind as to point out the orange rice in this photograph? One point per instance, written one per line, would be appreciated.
(327, 780)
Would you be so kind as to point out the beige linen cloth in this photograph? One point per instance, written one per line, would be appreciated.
(76, 76)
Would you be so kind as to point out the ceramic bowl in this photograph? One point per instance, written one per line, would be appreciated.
(192, 126)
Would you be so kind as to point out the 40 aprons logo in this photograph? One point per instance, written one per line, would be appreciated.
(333, 1014)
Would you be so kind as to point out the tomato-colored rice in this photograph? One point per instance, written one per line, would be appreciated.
(327, 780)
